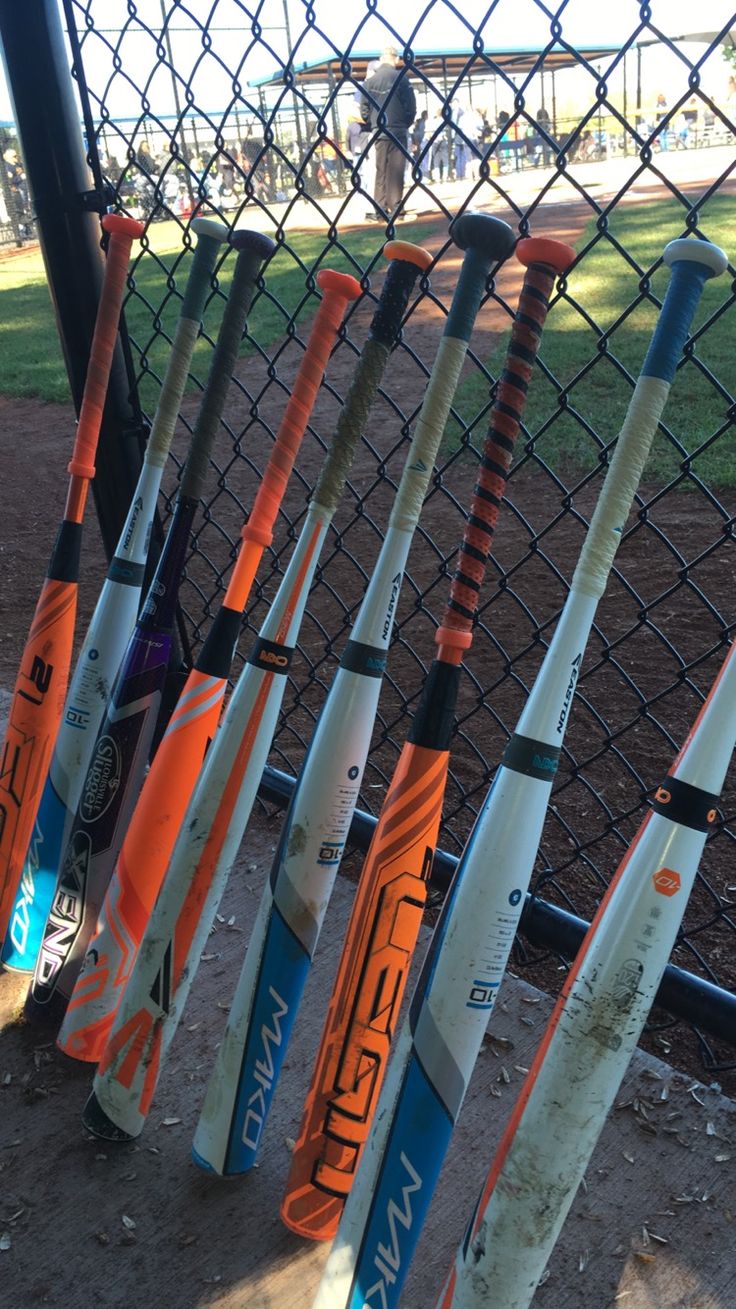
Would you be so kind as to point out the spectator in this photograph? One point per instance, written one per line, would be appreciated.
(690, 120)
(146, 160)
(18, 187)
(439, 154)
(660, 113)
(357, 141)
(417, 134)
(389, 93)
(544, 123)
(471, 125)
(502, 123)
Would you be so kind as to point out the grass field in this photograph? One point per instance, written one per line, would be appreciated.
(580, 389)
(584, 373)
(32, 364)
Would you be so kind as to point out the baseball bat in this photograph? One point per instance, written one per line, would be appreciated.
(43, 675)
(166, 962)
(108, 634)
(391, 896)
(439, 1042)
(115, 773)
(595, 1025)
(312, 840)
(159, 813)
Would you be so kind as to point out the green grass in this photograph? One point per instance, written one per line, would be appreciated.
(32, 362)
(596, 394)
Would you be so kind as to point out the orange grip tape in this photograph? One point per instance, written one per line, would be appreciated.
(122, 232)
(339, 289)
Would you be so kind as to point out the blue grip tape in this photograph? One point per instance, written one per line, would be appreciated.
(683, 294)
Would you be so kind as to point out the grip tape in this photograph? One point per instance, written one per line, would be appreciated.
(505, 424)
(247, 268)
(82, 462)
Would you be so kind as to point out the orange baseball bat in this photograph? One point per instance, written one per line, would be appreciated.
(40, 688)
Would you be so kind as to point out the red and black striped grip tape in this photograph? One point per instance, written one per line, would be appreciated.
(504, 427)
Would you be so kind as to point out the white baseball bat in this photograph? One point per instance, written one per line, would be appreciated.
(595, 1025)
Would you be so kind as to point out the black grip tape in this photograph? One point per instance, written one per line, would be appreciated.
(394, 298)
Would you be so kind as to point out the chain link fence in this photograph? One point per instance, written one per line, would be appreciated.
(261, 115)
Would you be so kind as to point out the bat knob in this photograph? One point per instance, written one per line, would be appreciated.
(210, 227)
(118, 224)
(492, 236)
(97, 1121)
(408, 253)
(341, 284)
(257, 243)
(697, 252)
(542, 250)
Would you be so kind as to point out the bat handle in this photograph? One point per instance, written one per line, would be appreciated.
(338, 289)
(253, 248)
(544, 260)
(486, 241)
(122, 233)
(692, 262)
(406, 261)
(210, 237)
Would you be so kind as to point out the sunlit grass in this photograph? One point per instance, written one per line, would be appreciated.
(580, 391)
(31, 362)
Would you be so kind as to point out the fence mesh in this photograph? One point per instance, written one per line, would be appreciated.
(259, 114)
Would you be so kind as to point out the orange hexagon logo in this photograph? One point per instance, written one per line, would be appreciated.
(667, 881)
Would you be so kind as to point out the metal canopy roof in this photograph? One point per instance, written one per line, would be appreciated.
(438, 63)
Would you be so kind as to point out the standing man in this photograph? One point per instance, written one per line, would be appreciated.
(388, 92)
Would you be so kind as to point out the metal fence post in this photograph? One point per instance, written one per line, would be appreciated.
(47, 119)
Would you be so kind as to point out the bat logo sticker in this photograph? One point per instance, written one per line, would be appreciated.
(102, 781)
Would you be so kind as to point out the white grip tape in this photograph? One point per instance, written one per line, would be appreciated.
(428, 433)
(618, 490)
(172, 390)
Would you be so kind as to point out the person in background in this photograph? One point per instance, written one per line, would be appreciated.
(544, 123)
(418, 133)
(388, 92)
(659, 114)
(357, 140)
(471, 125)
(502, 124)
(18, 187)
(439, 154)
(146, 160)
(689, 120)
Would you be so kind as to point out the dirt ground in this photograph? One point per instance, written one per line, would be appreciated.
(85, 1222)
